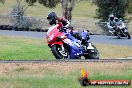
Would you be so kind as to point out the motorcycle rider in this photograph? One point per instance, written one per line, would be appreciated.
(64, 26)
(111, 24)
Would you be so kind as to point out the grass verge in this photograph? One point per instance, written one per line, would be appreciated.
(61, 75)
(21, 48)
(18, 48)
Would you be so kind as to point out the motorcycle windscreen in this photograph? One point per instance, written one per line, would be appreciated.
(84, 34)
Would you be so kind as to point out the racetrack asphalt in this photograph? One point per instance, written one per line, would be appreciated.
(100, 39)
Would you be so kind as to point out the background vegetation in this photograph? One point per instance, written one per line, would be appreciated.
(83, 16)
(106, 7)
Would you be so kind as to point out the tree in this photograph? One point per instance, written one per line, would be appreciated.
(67, 8)
(67, 5)
(130, 6)
(18, 16)
(107, 7)
(2, 1)
(47, 3)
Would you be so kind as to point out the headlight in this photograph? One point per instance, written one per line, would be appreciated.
(62, 37)
(50, 38)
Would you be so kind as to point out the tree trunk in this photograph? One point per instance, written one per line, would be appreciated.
(67, 8)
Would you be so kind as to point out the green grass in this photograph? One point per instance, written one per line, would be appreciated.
(48, 82)
(37, 76)
(13, 48)
(22, 48)
(114, 51)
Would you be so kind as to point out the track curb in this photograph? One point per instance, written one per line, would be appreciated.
(59, 61)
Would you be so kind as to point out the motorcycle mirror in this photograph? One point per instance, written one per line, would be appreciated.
(120, 18)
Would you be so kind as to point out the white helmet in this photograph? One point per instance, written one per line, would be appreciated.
(111, 16)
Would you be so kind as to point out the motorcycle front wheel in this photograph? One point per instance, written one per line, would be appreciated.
(59, 53)
(128, 35)
(92, 55)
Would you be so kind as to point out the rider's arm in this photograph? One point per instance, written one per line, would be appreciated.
(116, 19)
(68, 23)
(109, 26)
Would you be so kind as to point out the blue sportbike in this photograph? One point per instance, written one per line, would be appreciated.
(65, 46)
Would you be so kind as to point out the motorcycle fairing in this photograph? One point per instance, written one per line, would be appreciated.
(75, 46)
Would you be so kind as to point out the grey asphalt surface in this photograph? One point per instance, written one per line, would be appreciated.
(93, 38)
(69, 60)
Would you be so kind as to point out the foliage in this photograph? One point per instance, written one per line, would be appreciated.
(2, 1)
(116, 7)
(20, 20)
(130, 6)
(47, 3)
(18, 16)
(67, 5)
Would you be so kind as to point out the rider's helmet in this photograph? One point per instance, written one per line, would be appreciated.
(52, 17)
(111, 17)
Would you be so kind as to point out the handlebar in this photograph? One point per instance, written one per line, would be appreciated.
(63, 29)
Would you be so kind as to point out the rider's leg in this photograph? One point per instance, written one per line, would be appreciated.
(79, 37)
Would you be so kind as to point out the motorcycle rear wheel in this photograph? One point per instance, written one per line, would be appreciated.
(56, 50)
(92, 55)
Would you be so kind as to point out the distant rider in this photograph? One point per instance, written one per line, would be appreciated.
(111, 24)
(64, 25)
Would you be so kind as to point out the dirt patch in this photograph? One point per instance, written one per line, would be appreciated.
(40, 69)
